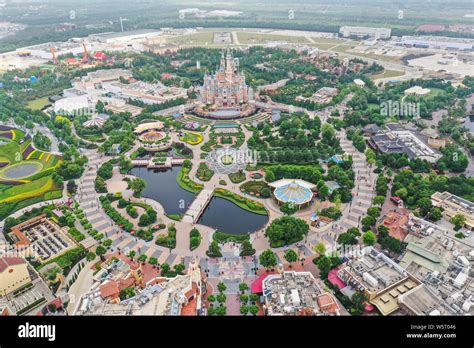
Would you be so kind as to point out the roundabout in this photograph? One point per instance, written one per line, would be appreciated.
(228, 160)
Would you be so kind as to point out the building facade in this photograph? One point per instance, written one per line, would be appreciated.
(376, 33)
(227, 87)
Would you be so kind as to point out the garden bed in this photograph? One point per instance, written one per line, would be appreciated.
(242, 202)
(256, 189)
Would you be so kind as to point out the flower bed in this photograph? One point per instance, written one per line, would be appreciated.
(256, 189)
(204, 173)
(237, 178)
(185, 182)
(192, 138)
(222, 237)
(244, 203)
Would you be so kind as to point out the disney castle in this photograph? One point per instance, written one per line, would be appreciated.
(227, 87)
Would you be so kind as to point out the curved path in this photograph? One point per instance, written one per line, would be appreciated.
(123, 241)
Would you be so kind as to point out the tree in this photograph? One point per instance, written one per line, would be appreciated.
(383, 230)
(165, 268)
(211, 298)
(124, 164)
(153, 261)
(378, 200)
(370, 155)
(254, 309)
(291, 256)
(100, 250)
(179, 268)
(320, 248)
(221, 298)
(367, 222)
(247, 248)
(324, 265)
(221, 287)
(268, 259)
(131, 254)
(244, 309)
(137, 185)
(436, 214)
(369, 238)
(265, 192)
(220, 310)
(142, 258)
(402, 193)
(425, 205)
(90, 256)
(358, 301)
(458, 221)
(144, 220)
(288, 208)
(243, 287)
(323, 190)
(126, 293)
(286, 230)
(349, 237)
(388, 242)
(214, 250)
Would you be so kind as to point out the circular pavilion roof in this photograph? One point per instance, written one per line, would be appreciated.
(293, 192)
(95, 121)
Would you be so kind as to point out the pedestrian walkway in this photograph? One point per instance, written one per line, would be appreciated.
(363, 192)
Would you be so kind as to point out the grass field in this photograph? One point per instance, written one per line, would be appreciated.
(258, 38)
(37, 104)
(387, 74)
(202, 38)
(37, 186)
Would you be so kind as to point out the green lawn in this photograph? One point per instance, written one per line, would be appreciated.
(35, 188)
(8, 152)
(258, 38)
(37, 104)
(243, 202)
(186, 183)
(387, 74)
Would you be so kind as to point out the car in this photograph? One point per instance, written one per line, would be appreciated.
(396, 200)
(467, 233)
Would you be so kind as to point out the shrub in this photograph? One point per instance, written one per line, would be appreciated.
(331, 212)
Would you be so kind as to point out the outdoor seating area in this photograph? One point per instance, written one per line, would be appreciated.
(43, 235)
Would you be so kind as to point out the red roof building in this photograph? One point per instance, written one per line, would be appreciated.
(71, 61)
(100, 56)
(334, 279)
(327, 304)
(397, 223)
(109, 289)
(257, 285)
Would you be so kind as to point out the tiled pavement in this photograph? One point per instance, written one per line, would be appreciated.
(89, 202)
(363, 191)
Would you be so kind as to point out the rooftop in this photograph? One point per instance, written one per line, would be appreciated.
(293, 191)
(294, 293)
